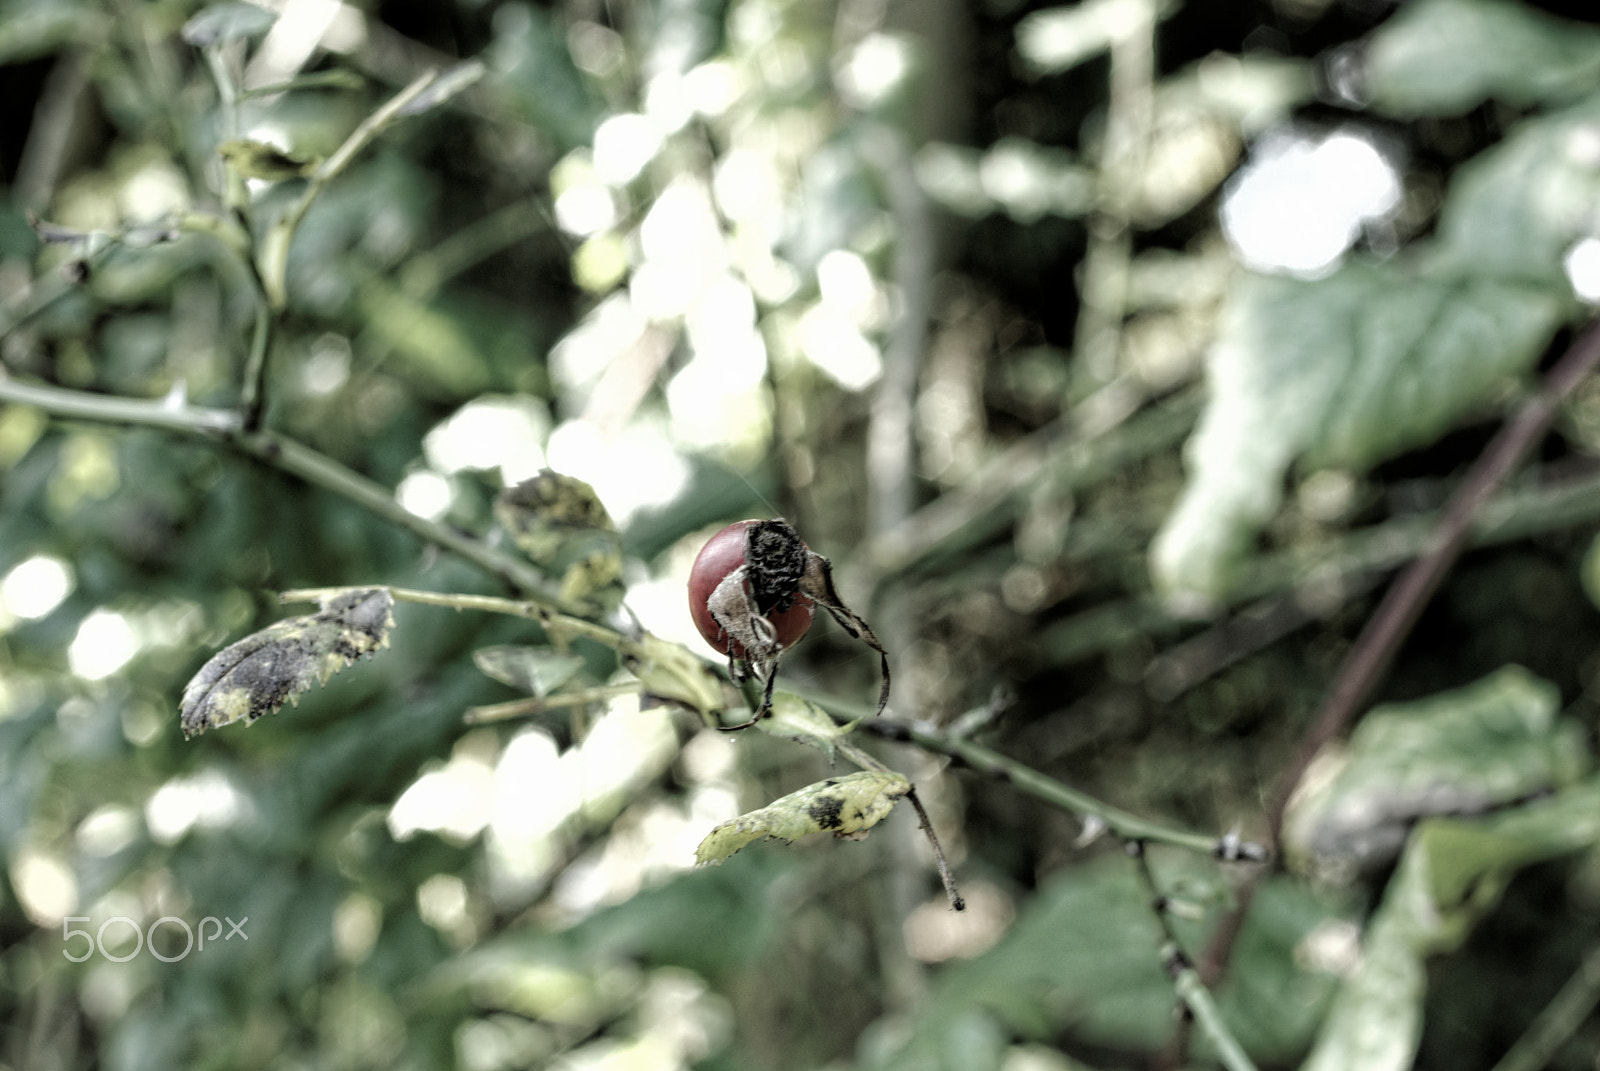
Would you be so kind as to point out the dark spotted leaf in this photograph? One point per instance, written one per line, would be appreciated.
(256, 675)
(845, 806)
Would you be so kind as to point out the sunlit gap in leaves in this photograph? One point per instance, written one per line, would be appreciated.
(205, 800)
(504, 433)
(1303, 201)
(1582, 265)
(525, 796)
(35, 587)
(107, 640)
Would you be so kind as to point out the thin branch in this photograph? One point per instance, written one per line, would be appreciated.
(1369, 660)
(951, 893)
(1374, 651)
(523, 708)
(1331, 574)
(288, 455)
(1129, 118)
(1560, 1019)
(1043, 787)
(274, 255)
(170, 414)
(1185, 979)
(987, 503)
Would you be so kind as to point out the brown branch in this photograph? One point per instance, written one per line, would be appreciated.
(1368, 662)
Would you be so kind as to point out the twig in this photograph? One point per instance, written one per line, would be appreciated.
(1337, 570)
(867, 762)
(1390, 624)
(953, 894)
(1560, 1019)
(522, 708)
(1043, 787)
(274, 255)
(533, 609)
(988, 502)
(288, 455)
(1185, 979)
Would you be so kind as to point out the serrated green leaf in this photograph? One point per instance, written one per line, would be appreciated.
(259, 673)
(221, 23)
(1452, 873)
(535, 670)
(1464, 751)
(802, 721)
(670, 672)
(1445, 57)
(846, 806)
(258, 160)
(1342, 371)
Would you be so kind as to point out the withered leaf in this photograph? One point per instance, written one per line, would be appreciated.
(259, 673)
(560, 524)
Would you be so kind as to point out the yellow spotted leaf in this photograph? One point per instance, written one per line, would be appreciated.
(846, 806)
(259, 673)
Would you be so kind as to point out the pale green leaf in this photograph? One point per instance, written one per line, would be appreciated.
(535, 670)
(797, 719)
(846, 806)
(259, 673)
(221, 23)
(1452, 873)
(1465, 751)
(1342, 371)
(670, 672)
(1445, 57)
(1514, 210)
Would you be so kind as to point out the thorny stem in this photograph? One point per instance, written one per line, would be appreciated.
(533, 609)
(1186, 980)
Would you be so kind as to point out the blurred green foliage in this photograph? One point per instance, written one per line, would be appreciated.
(730, 259)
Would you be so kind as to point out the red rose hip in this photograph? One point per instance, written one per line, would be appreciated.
(722, 554)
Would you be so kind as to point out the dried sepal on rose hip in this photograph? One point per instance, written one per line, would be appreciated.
(752, 592)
